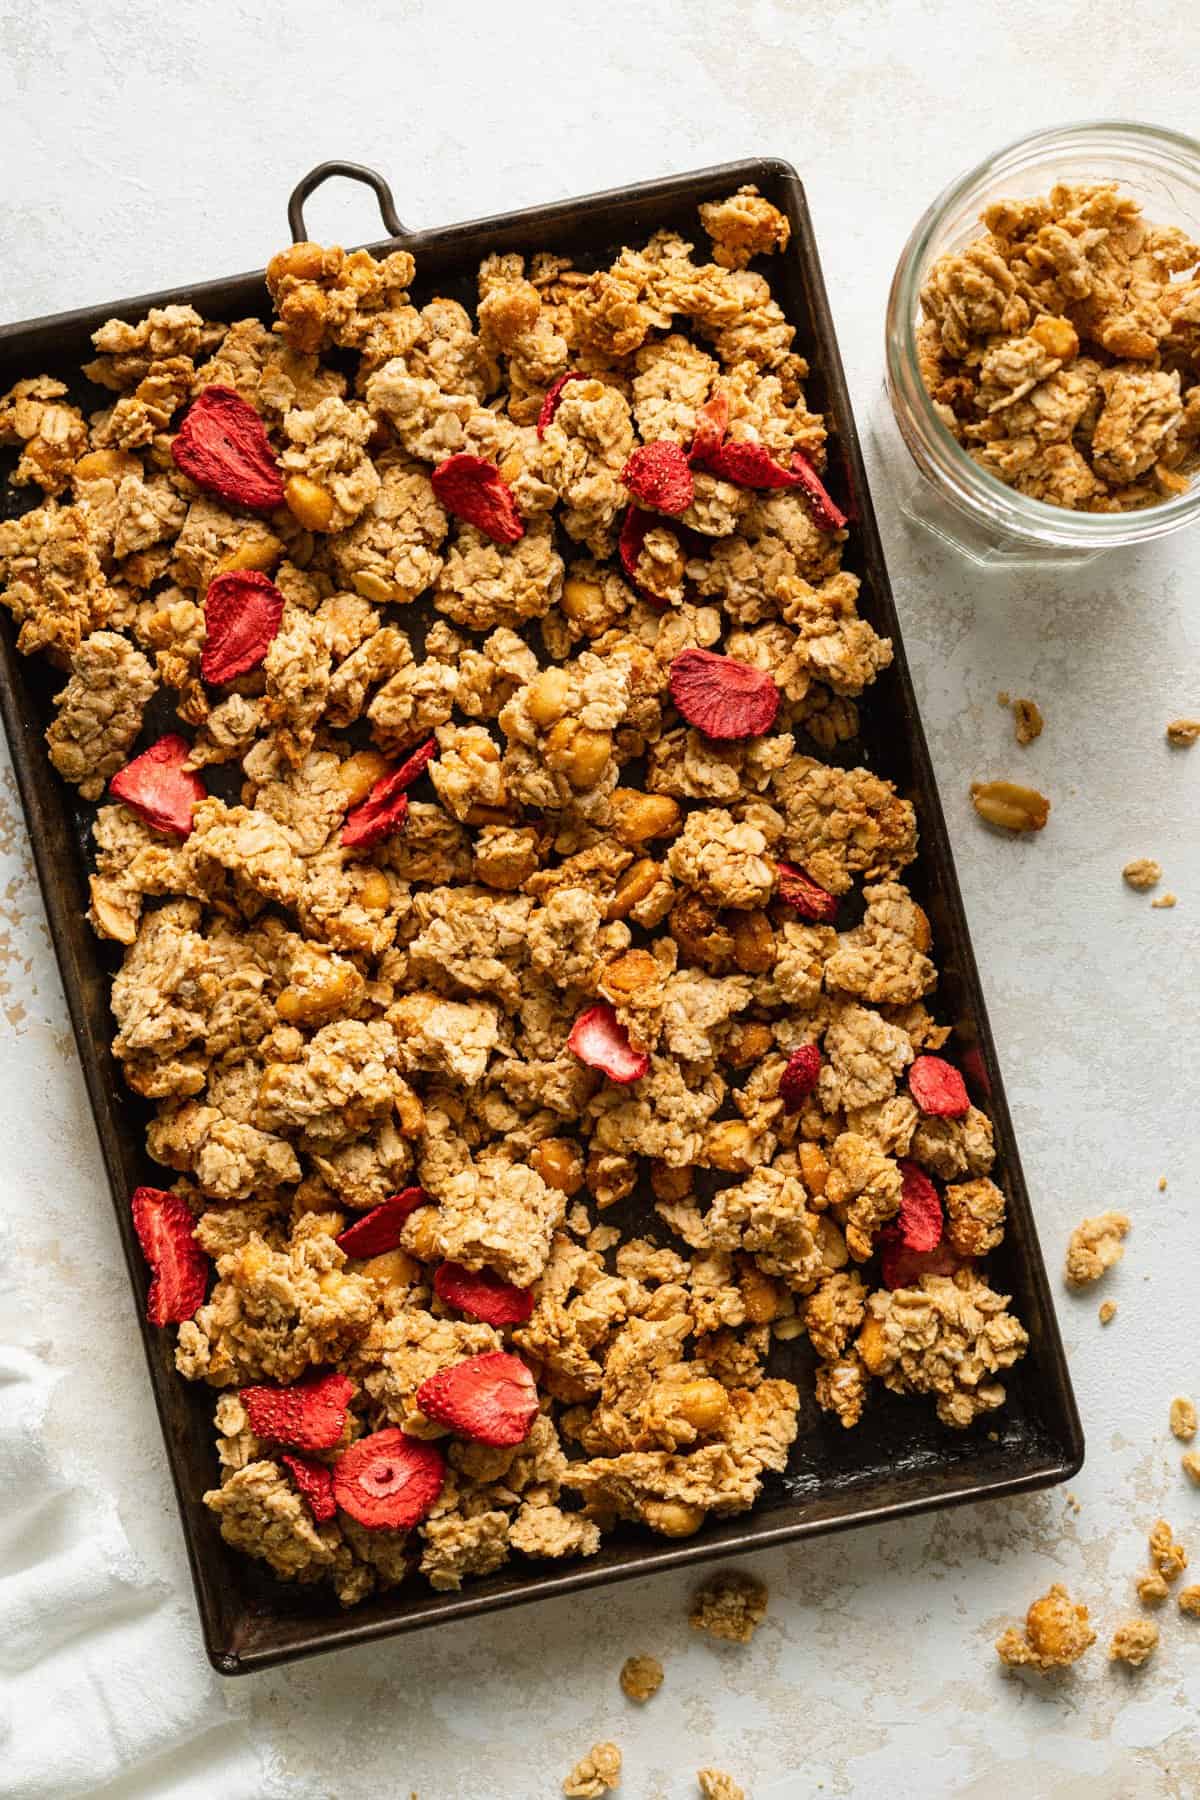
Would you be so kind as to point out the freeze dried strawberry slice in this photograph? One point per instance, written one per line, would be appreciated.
(747, 465)
(659, 476)
(634, 527)
(938, 1088)
(483, 1294)
(827, 514)
(379, 1230)
(165, 1231)
(473, 489)
(311, 1415)
(902, 1267)
(491, 1398)
(385, 808)
(722, 697)
(223, 446)
(242, 610)
(157, 787)
(800, 1077)
(712, 422)
(600, 1040)
(554, 394)
(808, 897)
(387, 1481)
(920, 1217)
(315, 1482)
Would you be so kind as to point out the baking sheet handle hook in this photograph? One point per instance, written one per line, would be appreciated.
(355, 172)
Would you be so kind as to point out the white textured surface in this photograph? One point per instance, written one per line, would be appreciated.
(150, 144)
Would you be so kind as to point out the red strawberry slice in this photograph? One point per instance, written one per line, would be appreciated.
(827, 514)
(800, 1077)
(380, 1229)
(473, 489)
(722, 697)
(634, 527)
(386, 806)
(600, 1040)
(920, 1218)
(748, 465)
(387, 1481)
(311, 1415)
(483, 1294)
(165, 1230)
(315, 1482)
(798, 890)
(491, 1398)
(938, 1088)
(902, 1267)
(554, 394)
(712, 422)
(157, 787)
(242, 610)
(223, 446)
(659, 476)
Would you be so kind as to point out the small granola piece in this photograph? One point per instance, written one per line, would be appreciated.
(974, 1216)
(723, 859)
(179, 1267)
(1168, 1557)
(744, 226)
(1134, 1642)
(242, 613)
(388, 1482)
(949, 1336)
(722, 697)
(261, 1513)
(1056, 1634)
(1189, 1600)
(310, 1415)
(1028, 722)
(599, 1039)
(714, 1784)
(595, 1774)
(223, 446)
(99, 711)
(1182, 733)
(1009, 805)
(731, 1605)
(1095, 1246)
(1164, 900)
(1143, 872)
(1151, 1588)
(641, 1677)
(474, 490)
(1183, 1419)
(491, 1399)
(1189, 1462)
(52, 435)
(159, 788)
(1107, 1312)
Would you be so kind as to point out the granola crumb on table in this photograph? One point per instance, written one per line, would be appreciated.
(714, 1784)
(1107, 1312)
(1095, 1246)
(1133, 1642)
(641, 1677)
(455, 688)
(1182, 733)
(1183, 1418)
(1056, 1634)
(1165, 901)
(1143, 872)
(595, 1774)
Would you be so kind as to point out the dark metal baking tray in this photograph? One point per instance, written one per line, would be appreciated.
(900, 1460)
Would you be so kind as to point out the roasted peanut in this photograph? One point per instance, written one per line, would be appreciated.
(729, 1145)
(559, 1163)
(746, 1045)
(638, 817)
(546, 701)
(303, 262)
(308, 502)
(420, 1234)
(257, 550)
(111, 465)
(578, 752)
(814, 1166)
(872, 1345)
(760, 1295)
(359, 773)
(703, 1403)
(410, 1113)
(1009, 805)
(374, 587)
(669, 1183)
(673, 1518)
(753, 943)
(393, 1268)
(701, 936)
(609, 1177)
(488, 815)
(1057, 336)
(581, 598)
(375, 891)
(635, 885)
(627, 975)
(324, 995)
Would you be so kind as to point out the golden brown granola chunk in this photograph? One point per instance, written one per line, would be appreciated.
(730, 1605)
(744, 226)
(1056, 1634)
(595, 1774)
(99, 711)
(641, 1677)
(1095, 1247)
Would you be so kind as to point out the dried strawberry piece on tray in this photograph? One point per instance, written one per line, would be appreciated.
(712, 422)
(473, 489)
(902, 1267)
(659, 476)
(483, 1294)
(491, 1398)
(242, 611)
(166, 1232)
(797, 889)
(310, 1415)
(385, 808)
(748, 465)
(388, 1482)
(938, 1088)
(599, 1039)
(920, 1217)
(722, 697)
(554, 394)
(222, 445)
(800, 1077)
(157, 787)
(827, 514)
(379, 1230)
(315, 1482)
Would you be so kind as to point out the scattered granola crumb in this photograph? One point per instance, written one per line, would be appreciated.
(1028, 722)
(641, 1677)
(1168, 1557)
(732, 1605)
(1189, 1462)
(1108, 1311)
(716, 1785)
(1134, 1642)
(1009, 805)
(1142, 873)
(1072, 1500)
(1164, 900)
(594, 1774)
(1183, 1419)
(1183, 733)
(1151, 1588)
(1094, 1247)
(1189, 1599)
(1004, 698)
(1056, 1633)
(1162, 1184)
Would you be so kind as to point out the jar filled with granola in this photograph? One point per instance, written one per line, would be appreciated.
(1042, 400)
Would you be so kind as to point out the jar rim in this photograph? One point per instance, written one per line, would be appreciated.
(974, 488)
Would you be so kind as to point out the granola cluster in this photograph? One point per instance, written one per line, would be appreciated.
(448, 929)
(1061, 348)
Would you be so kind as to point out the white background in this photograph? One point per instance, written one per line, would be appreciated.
(156, 143)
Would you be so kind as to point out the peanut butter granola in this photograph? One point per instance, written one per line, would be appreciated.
(1056, 1634)
(456, 688)
(1060, 348)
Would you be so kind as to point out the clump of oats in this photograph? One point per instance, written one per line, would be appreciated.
(1028, 722)
(1151, 1588)
(1142, 873)
(1164, 900)
(1189, 1462)
(1134, 1642)
(732, 1605)
(641, 1677)
(1056, 1634)
(1183, 1419)
(714, 1784)
(1189, 1600)
(1095, 1246)
(1168, 1557)
(1108, 1311)
(594, 1774)
(1182, 733)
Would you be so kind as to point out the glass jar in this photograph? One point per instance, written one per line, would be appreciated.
(937, 484)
